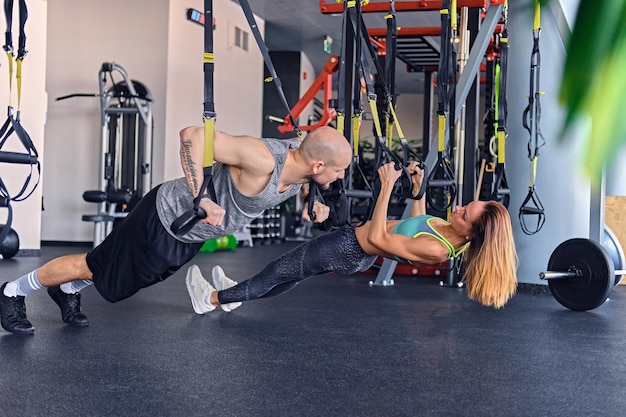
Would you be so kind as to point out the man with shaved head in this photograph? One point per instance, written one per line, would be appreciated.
(250, 175)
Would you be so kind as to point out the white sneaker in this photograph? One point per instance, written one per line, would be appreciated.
(199, 290)
(221, 282)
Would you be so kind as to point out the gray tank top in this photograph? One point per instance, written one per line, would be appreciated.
(174, 197)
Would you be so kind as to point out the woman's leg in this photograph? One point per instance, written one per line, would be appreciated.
(337, 251)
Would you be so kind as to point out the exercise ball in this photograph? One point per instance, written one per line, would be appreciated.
(221, 243)
(10, 245)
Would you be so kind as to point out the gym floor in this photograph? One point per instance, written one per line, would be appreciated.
(333, 346)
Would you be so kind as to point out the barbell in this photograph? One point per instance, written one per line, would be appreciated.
(581, 274)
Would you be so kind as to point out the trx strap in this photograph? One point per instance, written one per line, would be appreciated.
(441, 190)
(13, 124)
(531, 206)
(247, 11)
(501, 192)
(384, 154)
(187, 220)
(337, 199)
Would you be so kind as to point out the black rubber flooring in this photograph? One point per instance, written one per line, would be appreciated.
(334, 346)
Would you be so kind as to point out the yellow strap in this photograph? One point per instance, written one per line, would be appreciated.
(396, 121)
(341, 122)
(356, 129)
(209, 140)
(453, 18)
(209, 58)
(18, 77)
(533, 171)
(501, 139)
(374, 110)
(389, 133)
(537, 23)
(442, 132)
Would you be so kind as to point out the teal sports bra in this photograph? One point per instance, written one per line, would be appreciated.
(421, 225)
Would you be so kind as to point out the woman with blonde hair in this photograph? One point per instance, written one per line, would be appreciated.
(480, 231)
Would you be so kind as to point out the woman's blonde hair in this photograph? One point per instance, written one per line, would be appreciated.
(491, 259)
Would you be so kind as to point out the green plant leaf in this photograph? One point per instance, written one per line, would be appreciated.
(593, 38)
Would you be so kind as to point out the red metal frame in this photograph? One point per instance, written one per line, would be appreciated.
(324, 80)
(402, 6)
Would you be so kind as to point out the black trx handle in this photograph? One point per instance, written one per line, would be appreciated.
(190, 218)
(532, 207)
(407, 155)
(441, 189)
(501, 192)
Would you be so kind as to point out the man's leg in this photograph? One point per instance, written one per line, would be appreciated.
(53, 274)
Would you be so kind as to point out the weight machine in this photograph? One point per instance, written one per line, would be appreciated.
(125, 147)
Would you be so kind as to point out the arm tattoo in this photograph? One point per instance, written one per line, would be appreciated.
(189, 166)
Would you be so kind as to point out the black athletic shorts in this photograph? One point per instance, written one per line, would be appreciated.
(139, 252)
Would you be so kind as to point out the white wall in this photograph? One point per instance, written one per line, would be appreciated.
(26, 214)
(81, 36)
(157, 45)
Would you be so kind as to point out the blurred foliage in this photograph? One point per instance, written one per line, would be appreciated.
(593, 81)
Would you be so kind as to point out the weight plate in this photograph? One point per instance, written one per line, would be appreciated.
(614, 249)
(592, 288)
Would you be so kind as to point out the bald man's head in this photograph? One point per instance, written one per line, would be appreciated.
(328, 145)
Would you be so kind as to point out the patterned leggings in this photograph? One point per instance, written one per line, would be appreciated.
(337, 251)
